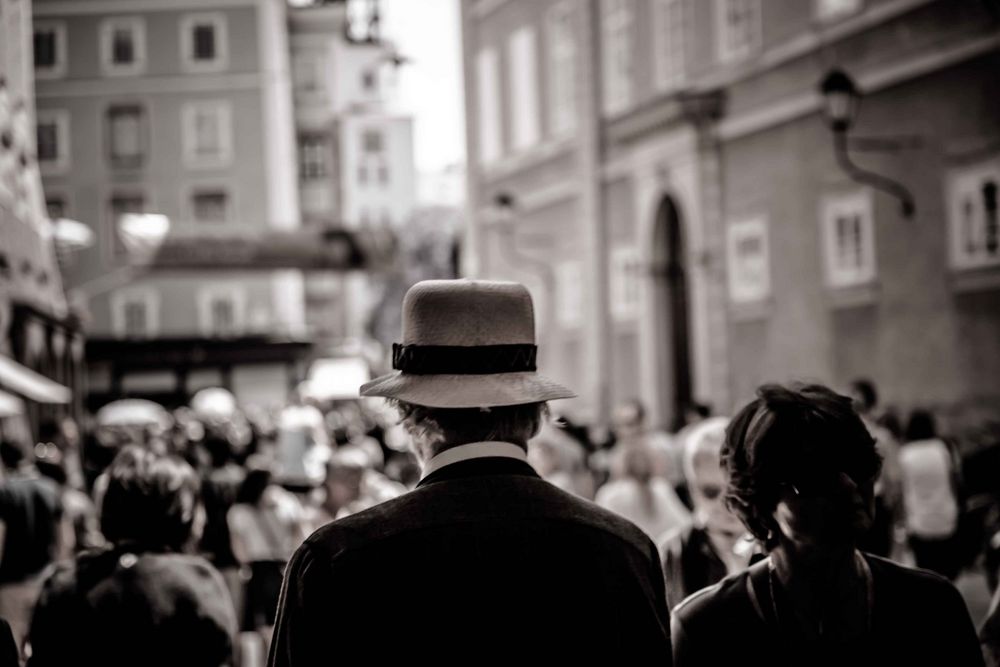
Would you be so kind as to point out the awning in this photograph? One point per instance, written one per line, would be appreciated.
(10, 405)
(29, 384)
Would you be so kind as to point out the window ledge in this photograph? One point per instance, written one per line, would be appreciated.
(749, 311)
(852, 296)
(975, 280)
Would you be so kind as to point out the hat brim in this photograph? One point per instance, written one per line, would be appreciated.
(466, 391)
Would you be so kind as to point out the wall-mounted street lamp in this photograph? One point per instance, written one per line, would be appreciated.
(842, 99)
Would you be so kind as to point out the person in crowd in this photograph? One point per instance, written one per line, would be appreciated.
(930, 496)
(715, 544)
(801, 471)
(644, 499)
(266, 524)
(631, 430)
(79, 512)
(561, 460)
(33, 534)
(344, 485)
(220, 485)
(144, 600)
(483, 560)
(879, 538)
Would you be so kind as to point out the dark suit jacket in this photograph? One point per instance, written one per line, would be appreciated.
(690, 563)
(483, 561)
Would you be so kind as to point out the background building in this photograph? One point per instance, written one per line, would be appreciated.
(187, 107)
(669, 189)
(355, 154)
(41, 346)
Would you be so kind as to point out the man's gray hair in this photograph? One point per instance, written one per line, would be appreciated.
(447, 427)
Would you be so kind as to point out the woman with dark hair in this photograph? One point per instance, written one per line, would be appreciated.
(801, 472)
(142, 600)
(930, 496)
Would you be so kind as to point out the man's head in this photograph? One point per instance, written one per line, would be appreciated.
(345, 473)
(434, 430)
(152, 501)
(801, 467)
(629, 419)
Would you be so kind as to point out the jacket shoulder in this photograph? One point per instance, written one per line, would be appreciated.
(467, 501)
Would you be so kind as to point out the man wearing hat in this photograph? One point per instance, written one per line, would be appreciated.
(484, 560)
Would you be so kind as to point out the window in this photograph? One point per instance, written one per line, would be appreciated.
(52, 134)
(312, 157)
(221, 310)
(973, 220)
(831, 10)
(488, 98)
(371, 141)
(748, 261)
(208, 138)
(210, 205)
(362, 174)
(123, 45)
(625, 274)
(126, 136)
(848, 240)
(307, 69)
(385, 218)
(368, 81)
(50, 49)
(668, 21)
(204, 42)
(120, 205)
(739, 28)
(135, 313)
(383, 174)
(561, 69)
(569, 294)
(617, 38)
(364, 217)
(523, 88)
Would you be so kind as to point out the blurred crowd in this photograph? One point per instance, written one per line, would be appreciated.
(147, 530)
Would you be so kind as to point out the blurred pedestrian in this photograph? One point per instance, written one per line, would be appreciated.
(802, 469)
(266, 524)
(930, 496)
(647, 501)
(32, 534)
(879, 539)
(714, 544)
(145, 600)
(483, 561)
(631, 430)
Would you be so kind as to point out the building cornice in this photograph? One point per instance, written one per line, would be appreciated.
(819, 36)
(870, 81)
(160, 85)
(61, 8)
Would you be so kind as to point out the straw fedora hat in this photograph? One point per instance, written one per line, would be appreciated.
(466, 344)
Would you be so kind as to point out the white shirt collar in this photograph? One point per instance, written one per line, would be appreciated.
(474, 450)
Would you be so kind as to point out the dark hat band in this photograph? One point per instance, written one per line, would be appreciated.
(464, 360)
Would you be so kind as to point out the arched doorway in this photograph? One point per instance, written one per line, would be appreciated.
(673, 327)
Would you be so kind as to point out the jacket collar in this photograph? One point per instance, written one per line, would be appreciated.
(477, 458)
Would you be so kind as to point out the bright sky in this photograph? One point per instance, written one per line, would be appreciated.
(430, 85)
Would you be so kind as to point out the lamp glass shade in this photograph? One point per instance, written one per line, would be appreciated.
(841, 99)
